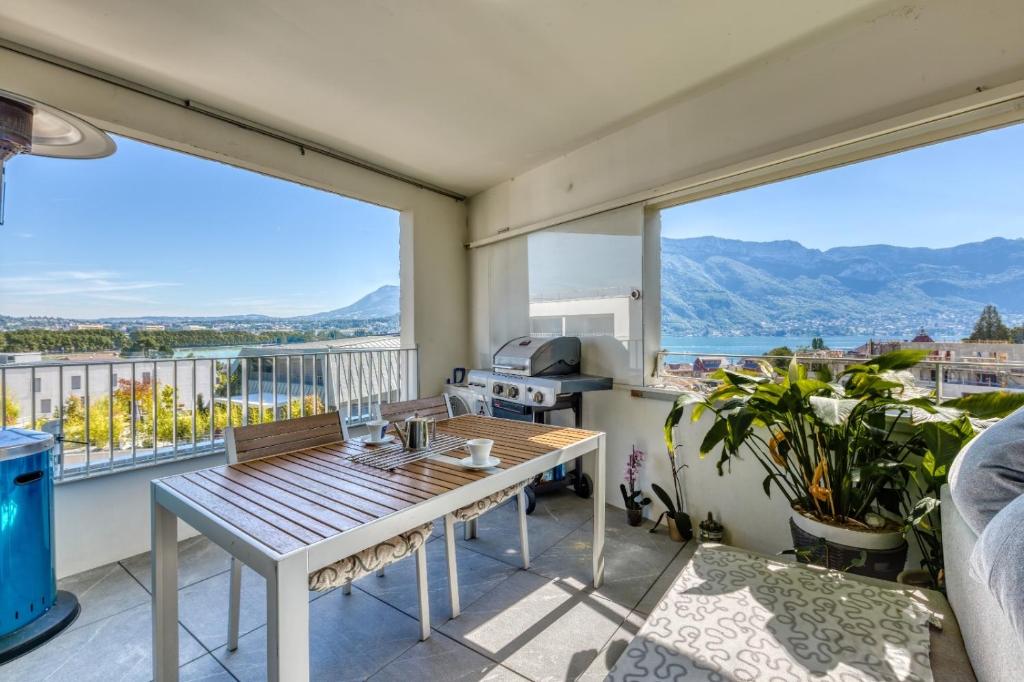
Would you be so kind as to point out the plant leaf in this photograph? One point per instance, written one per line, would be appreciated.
(899, 359)
(715, 435)
(833, 411)
(664, 497)
(988, 405)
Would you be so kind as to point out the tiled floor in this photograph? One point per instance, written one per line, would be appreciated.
(543, 624)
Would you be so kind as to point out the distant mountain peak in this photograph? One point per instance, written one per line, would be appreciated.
(379, 303)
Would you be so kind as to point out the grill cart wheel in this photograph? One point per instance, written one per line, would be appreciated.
(531, 499)
(584, 486)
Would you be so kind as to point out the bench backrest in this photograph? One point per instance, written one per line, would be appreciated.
(435, 406)
(244, 443)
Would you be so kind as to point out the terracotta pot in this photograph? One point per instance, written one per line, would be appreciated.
(673, 528)
(634, 517)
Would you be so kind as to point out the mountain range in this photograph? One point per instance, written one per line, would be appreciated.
(381, 303)
(713, 286)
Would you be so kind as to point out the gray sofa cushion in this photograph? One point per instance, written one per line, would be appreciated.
(998, 562)
(989, 473)
(991, 642)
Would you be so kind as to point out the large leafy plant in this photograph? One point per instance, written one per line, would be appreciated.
(846, 450)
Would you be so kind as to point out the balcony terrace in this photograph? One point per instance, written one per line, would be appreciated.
(505, 135)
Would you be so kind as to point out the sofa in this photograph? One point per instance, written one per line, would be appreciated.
(992, 645)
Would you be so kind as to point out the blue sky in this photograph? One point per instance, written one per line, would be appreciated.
(151, 231)
(946, 194)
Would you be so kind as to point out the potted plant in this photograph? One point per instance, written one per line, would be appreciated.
(680, 528)
(859, 458)
(633, 498)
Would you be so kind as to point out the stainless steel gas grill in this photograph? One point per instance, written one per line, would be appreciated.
(532, 376)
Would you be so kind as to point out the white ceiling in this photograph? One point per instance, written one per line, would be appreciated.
(459, 93)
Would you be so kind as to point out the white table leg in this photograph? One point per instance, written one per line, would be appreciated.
(288, 621)
(164, 554)
(599, 495)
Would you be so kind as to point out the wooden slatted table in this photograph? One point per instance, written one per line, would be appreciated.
(288, 515)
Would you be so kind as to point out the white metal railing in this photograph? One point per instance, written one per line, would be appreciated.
(946, 378)
(130, 412)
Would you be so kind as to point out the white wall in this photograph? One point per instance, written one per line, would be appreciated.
(866, 72)
(106, 518)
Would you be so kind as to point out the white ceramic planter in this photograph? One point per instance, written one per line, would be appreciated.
(864, 539)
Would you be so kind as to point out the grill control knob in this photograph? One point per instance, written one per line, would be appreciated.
(538, 397)
(497, 389)
(513, 391)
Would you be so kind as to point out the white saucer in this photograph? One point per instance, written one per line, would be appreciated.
(366, 440)
(468, 463)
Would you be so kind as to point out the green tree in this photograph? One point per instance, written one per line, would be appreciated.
(990, 327)
(818, 343)
(781, 356)
(12, 410)
(99, 422)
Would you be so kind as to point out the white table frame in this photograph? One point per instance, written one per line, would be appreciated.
(287, 574)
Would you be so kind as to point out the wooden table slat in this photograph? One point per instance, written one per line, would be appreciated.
(337, 468)
(251, 525)
(279, 521)
(266, 494)
(316, 498)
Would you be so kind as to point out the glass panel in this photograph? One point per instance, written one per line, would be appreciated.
(584, 280)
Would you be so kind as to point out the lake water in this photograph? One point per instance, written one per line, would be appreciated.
(749, 345)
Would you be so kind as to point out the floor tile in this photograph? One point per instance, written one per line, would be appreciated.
(351, 638)
(668, 576)
(203, 607)
(439, 658)
(498, 535)
(630, 569)
(613, 649)
(198, 559)
(103, 592)
(478, 574)
(540, 628)
(115, 648)
(205, 669)
(564, 508)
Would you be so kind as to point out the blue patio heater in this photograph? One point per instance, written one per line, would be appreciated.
(32, 609)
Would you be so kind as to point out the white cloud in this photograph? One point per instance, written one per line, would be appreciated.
(31, 294)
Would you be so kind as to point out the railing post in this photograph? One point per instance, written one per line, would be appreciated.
(88, 440)
(939, 382)
(133, 410)
(110, 411)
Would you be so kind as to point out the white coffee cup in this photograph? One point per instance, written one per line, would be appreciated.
(376, 429)
(480, 450)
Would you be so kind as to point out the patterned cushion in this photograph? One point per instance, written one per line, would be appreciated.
(732, 615)
(369, 560)
(471, 511)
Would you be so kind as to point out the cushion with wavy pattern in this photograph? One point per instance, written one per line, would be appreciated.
(369, 560)
(733, 615)
(471, 511)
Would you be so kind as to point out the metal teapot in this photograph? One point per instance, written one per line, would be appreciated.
(417, 433)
